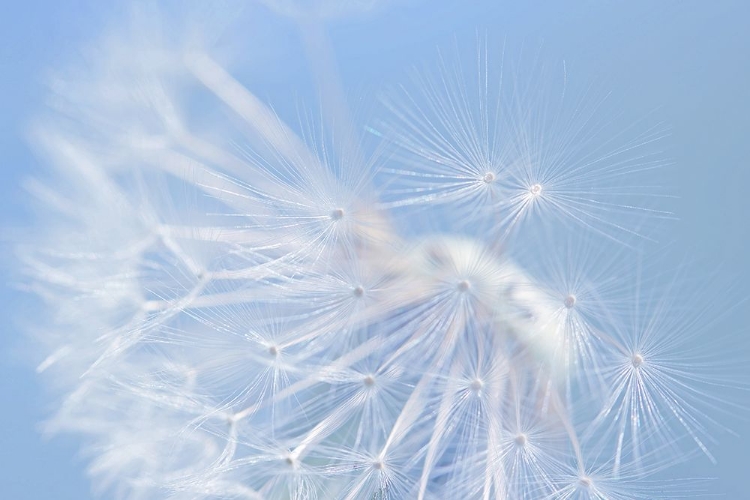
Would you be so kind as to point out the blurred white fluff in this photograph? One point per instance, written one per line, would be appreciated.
(249, 309)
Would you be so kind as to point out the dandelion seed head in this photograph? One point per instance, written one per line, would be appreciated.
(265, 238)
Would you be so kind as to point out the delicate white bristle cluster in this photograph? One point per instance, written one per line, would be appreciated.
(426, 306)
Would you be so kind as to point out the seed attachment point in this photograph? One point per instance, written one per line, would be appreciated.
(637, 360)
(337, 214)
(476, 385)
(570, 301)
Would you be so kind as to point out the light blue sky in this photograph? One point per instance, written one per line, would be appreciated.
(688, 59)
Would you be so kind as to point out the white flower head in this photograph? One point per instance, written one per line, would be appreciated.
(244, 306)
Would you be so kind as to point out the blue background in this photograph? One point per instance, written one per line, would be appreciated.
(689, 59)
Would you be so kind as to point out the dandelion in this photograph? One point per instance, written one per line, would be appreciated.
(301, 310)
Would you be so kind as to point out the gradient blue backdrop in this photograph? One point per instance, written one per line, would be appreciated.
(690, 59)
